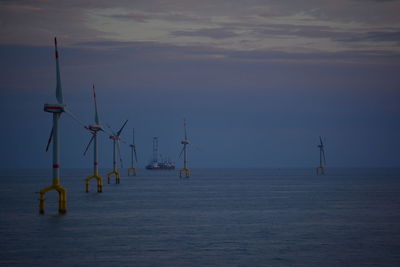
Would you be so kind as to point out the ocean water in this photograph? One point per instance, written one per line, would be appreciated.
(264, 217)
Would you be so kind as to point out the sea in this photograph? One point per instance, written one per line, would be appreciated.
(217, 217)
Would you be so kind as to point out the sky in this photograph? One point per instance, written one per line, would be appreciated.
(257, 81)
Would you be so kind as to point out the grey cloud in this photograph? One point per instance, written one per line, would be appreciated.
(182, 17)
(159, 51)
(382, 36)
(138, 17)
(214, 33)
(298, 30)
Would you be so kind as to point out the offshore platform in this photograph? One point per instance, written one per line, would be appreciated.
(155, 164)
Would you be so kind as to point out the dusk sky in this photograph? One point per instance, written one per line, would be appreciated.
(258, 81)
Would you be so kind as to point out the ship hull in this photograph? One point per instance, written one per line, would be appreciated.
(160, 168)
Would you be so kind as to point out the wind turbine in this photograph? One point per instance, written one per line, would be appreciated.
(185, 142)
(94, 129)
(321, 168)
(116, 138)
(57, 110)
(133, 148)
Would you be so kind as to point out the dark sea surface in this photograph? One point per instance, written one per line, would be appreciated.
(264, 217)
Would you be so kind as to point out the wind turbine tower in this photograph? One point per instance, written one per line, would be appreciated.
(56, 109)
(185, 142)
(94, 129)
(116, 147)
(321, 168)
(133, 155)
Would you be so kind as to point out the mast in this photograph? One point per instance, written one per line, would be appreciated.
(155, 149)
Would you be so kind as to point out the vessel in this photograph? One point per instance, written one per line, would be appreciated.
(155, 164)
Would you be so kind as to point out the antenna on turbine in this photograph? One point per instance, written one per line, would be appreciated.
(133, 155)
(116, 148)
(94, 129)
(322, 161)
(185, 142)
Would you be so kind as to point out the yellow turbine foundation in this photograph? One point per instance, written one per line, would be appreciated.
(62, 196)
(184, 170)
(116, 173)
(99, 182)
(132, 170)
(320, 170)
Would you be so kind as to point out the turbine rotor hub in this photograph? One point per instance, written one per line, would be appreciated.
(54, 108)
(94, 128)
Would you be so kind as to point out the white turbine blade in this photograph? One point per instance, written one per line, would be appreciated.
(123, 141)
(96, 115)
(180, 154)
(112, 132)
(88, 145)
(106, 131)
(50, 138)
(75, 118)
(59, 94)
(133, 136)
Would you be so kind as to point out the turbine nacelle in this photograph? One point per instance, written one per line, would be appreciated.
(114, 137)
(185, 142)
(94, 128)
(54, 108)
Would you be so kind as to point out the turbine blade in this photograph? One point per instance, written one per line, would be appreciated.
(323, 156)
(75, 118)
(123, 141)
(134, 150)
(120, 130)
(133, 136)
(50, 138)
(119, 154)
(111, 132)
(180, 154)
(96, 115)
(320, 139)
(59, 94)
(88, 145)
(106, 131)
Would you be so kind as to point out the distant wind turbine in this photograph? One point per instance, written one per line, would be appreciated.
(321, 168)
(133, 155)
(185, 142)
(116, 148)
(94, 129)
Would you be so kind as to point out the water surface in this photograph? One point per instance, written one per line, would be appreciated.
(265, 217)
